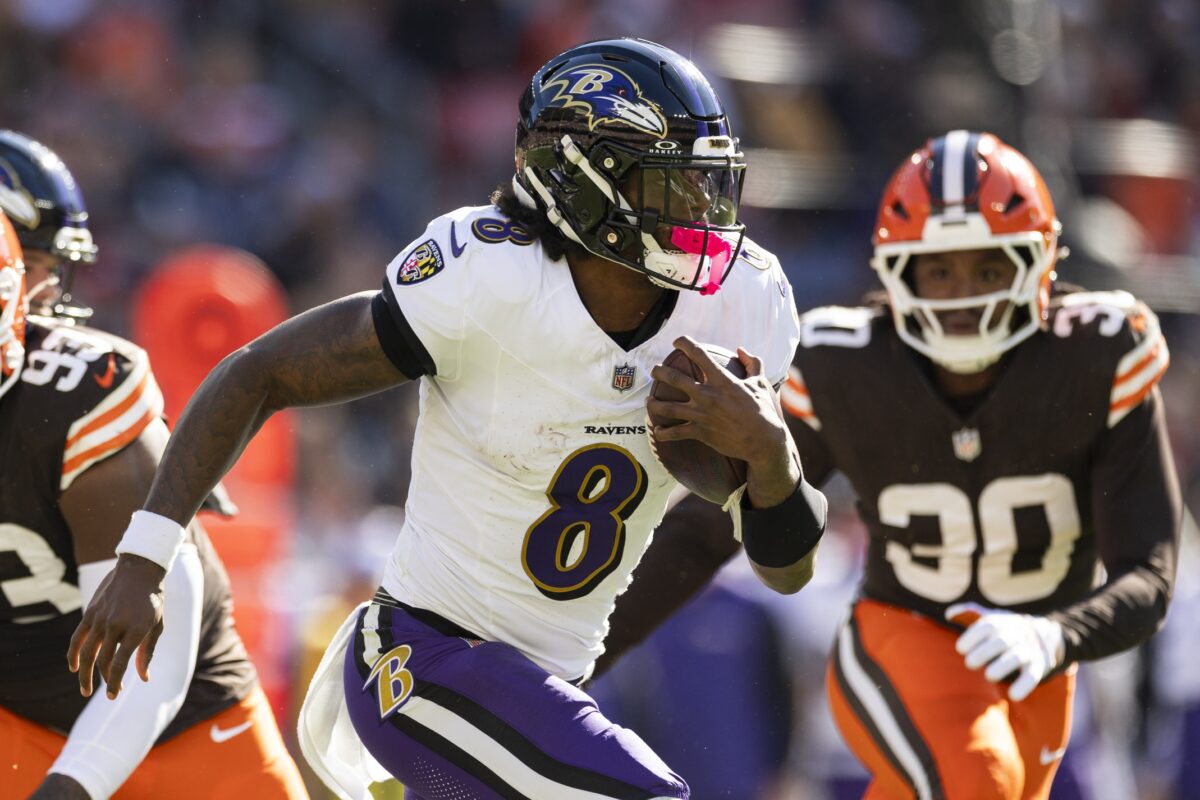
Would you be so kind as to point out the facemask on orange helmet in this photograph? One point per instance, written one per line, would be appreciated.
(967, 191)
(12, 306)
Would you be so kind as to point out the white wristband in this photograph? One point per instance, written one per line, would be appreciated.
(153, 537)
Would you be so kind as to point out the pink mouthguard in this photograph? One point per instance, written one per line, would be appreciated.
(709, 244)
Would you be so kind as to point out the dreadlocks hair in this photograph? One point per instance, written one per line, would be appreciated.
(554, 243)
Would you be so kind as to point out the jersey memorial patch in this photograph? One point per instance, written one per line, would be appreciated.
(422, 263)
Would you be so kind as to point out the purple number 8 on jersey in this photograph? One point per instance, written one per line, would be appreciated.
(591, 495)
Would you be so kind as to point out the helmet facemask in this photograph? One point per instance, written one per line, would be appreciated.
(51, 295)
(1006, 317)
(672, 217)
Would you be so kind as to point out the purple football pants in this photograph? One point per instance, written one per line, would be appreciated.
(454, 718)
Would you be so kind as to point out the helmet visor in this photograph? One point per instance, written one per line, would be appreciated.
(691, 196)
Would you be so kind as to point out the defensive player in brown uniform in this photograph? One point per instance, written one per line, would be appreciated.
(81, 432)
(1003, 445)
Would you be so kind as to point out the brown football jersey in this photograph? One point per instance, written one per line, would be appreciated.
(83, 395)
(1061, 468)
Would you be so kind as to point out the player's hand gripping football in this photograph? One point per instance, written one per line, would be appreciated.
(1008, 643)
(738, 417)
(125, 616)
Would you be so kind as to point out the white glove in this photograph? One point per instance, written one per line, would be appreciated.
(1007, 642)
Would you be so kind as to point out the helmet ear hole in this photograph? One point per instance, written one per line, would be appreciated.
(900, 211)
(1013, 202)
(549, 71)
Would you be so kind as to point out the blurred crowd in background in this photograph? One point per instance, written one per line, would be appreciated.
(322, 135)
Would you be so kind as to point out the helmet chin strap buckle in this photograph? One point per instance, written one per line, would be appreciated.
(699, 265)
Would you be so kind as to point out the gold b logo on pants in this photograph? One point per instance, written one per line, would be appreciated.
(394, 682)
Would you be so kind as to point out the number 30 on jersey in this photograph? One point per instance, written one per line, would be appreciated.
(950, 578)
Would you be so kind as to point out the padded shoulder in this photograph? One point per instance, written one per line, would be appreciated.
(95, 391)
(838, 326)
(1121, 330)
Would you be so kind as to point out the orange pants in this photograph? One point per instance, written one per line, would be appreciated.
(193, 765)
(927, 727)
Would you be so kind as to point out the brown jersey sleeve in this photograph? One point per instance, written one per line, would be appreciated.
(1137, 516)
(98, 391)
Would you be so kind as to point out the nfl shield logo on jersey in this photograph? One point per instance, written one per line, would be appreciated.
(623, 377)
(967, 444)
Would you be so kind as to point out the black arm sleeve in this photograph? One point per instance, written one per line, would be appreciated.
(397, 338)
(1137, 516)
(781, 535)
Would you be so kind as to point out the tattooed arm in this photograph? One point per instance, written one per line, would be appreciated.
(330, 354)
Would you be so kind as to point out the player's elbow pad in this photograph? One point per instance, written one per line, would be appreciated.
(781, 535)
(111, 737)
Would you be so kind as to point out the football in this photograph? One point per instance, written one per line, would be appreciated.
(701, 469)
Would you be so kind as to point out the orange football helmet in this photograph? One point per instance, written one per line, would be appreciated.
(967, 191)
(12, 306)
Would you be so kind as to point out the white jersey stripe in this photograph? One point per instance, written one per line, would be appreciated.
(881, 715)
(491, 753)
(794, 398)
(372, 646)
(1146, 372)
(150, 400)
(1120, 408)
(113, 435)
(1138, 370)
(128, 386)
(953, 179)
(1151, 334)
(79, 464)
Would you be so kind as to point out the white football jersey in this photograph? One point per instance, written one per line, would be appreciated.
(534, 490)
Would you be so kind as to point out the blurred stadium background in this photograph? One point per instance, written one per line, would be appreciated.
(321, 135)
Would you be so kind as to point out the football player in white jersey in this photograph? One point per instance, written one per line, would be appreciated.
(535, 326)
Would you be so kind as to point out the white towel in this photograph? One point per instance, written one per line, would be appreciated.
(327, 736)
